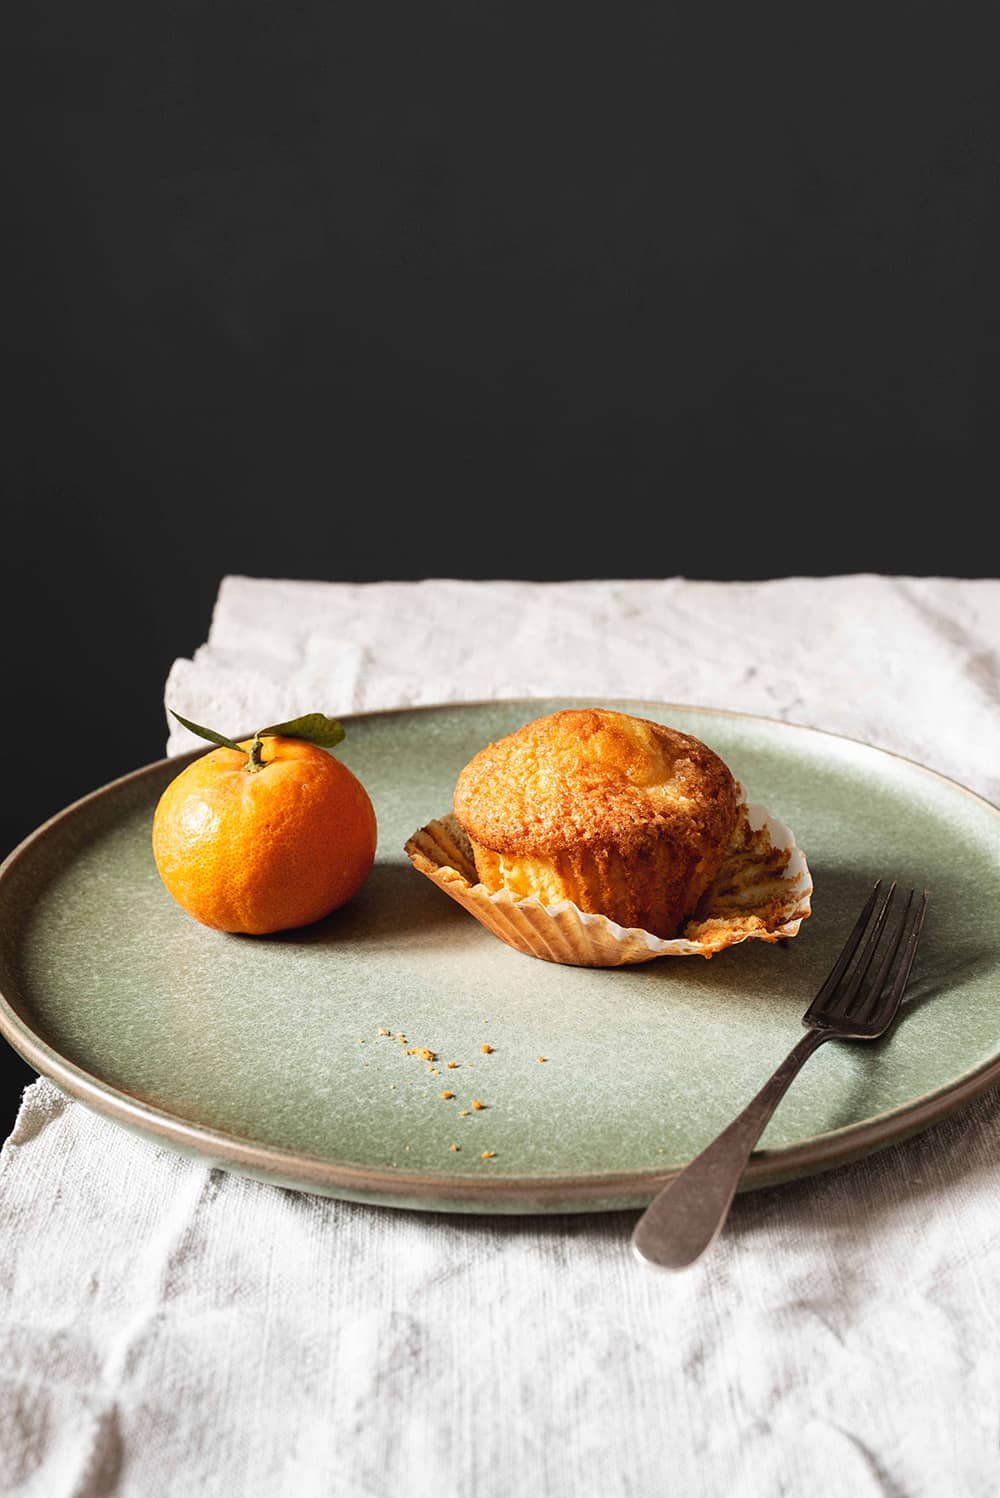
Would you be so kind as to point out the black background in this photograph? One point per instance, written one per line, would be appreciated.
(360, 291)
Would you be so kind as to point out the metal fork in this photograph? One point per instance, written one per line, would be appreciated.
(858, 1001)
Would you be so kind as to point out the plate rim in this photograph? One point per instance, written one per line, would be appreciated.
(429, 1191)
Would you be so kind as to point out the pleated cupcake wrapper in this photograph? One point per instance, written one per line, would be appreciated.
(761, 893)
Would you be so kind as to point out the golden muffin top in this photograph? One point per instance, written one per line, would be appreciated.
(594, 776)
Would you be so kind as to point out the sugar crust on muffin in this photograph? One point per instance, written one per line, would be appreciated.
(620, 815)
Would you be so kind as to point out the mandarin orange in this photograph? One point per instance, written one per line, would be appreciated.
(261, 849)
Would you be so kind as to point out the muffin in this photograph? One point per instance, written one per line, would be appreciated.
(623, 817)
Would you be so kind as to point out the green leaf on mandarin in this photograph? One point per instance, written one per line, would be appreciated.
(207, 733)
(317, 728)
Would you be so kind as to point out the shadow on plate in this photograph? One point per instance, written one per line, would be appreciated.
(946, 957)
(394, 903)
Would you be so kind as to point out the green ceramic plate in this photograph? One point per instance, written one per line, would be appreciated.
(263, 1055)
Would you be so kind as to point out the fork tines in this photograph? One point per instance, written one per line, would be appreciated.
(866, 983)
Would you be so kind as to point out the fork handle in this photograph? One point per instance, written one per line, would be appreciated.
(683, 1220)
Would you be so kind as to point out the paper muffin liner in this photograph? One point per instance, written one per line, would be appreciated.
(761, 893)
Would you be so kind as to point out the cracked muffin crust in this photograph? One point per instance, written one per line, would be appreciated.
(620, 815)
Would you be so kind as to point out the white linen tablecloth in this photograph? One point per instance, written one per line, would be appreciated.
(169, 1329)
